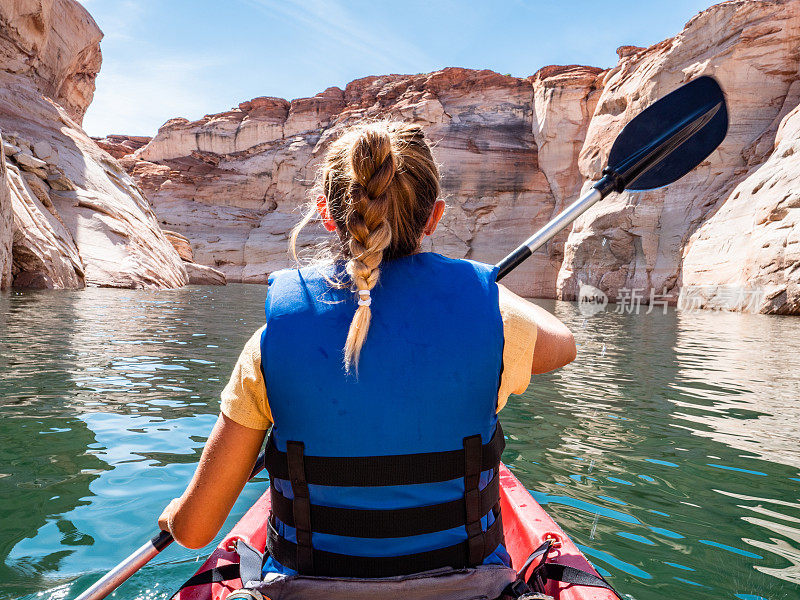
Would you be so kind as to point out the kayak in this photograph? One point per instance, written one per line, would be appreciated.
(525, 523)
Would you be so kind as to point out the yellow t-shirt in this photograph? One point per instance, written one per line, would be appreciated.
(244, 399)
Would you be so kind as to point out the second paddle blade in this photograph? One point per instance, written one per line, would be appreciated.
(661, 117)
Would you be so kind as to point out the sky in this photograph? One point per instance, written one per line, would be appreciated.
(187, 58)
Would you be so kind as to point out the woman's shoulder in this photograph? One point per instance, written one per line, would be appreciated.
(464, 264)
(316, 270)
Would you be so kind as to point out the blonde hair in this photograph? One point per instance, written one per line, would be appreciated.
(380, 182)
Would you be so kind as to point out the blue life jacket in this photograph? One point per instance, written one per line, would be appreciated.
(393, 470)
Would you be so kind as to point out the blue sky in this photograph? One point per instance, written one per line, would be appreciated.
(187, 58)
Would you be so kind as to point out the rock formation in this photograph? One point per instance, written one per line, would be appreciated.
(6, 226)
(724, 233)
(77, 217)
(198, 274)
(55, 45)
(515, 151)
(121, 145)
(233, 182)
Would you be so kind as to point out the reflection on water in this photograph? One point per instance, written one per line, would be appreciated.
(107, 398)
(668, 450)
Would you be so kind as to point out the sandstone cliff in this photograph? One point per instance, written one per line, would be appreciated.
(232, 183)
(121, 145)
(69, 213)
(514, 151)
(724, 234)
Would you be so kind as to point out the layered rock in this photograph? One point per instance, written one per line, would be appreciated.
(233, 182)
(746, 256)
(514, 152)
(198, 274)
(204, 275)
(704, 229)
(78, 217)
(122, 145)
(44, 252)
(564, 99)
(55, 44)
(6, 225)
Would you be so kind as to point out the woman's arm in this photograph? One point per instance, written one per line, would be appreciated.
(545, 337)
(228, 458)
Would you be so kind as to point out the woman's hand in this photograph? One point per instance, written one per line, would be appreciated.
(228, 458)
(166, 515)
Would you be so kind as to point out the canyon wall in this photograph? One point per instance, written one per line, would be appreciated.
(233, 183)
(513, 152)
(725, 234)
(70, 215)
(6, 226)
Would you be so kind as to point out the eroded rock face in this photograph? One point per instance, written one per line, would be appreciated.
(233, 183)
(198, 274)
(55, 44)
(45, 254)
(564, 99)
(121, 145)
(701, 230)
(6, 225)
(746, 255)
(203, 275)
(78, 217)
(513, 152)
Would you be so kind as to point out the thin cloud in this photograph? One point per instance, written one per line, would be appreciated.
(145, 94)
(136, 93)
(329, 23)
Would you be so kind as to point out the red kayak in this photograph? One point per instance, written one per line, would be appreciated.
(526, 526)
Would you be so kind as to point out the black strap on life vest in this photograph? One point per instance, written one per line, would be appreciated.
(393, 523)
(308, 518)
(331, 564)
(472, 500)
(376, 471)
(301, 505)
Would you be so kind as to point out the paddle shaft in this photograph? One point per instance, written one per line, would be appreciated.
(119, 574)
(546, 233)
(615, 179)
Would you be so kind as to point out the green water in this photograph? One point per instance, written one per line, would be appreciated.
(668, 450)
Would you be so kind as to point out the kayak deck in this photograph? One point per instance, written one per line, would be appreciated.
(525, 524)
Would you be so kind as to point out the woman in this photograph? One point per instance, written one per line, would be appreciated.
(381, 373)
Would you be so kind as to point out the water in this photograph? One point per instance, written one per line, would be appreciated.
(668, 450)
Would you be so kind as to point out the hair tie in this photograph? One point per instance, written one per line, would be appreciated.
(364, 301)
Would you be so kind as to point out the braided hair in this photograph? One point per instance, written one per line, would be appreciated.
(380, 182)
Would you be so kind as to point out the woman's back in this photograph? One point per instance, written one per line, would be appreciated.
(429, 368)
(427, 381)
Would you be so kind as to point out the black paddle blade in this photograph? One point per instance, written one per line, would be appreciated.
(670, 137)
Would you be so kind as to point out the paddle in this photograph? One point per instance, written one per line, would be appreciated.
(693, 118)
(119, 574)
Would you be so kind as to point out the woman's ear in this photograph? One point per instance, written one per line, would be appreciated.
(324, 213)
(433, 220)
